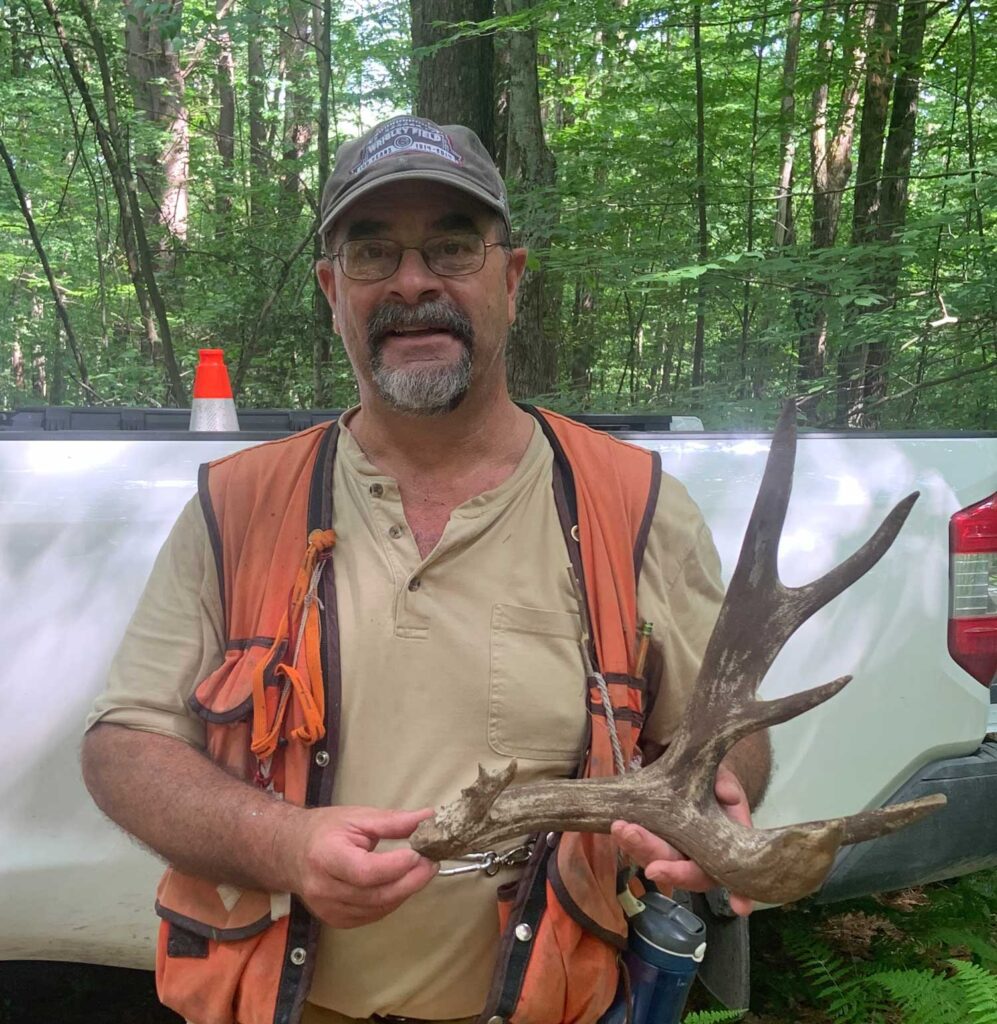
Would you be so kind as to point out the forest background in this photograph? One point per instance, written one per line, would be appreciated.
(726, 201)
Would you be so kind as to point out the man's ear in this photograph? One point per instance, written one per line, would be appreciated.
(514, 270)
(325, 272)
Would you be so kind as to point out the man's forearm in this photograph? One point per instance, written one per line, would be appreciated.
(190, 811)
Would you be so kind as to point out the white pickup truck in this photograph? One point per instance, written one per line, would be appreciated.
(87, 497)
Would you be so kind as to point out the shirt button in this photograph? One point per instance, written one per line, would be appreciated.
(322, 758)
(395, 532)
(524, 932)
(496, 1020)
(376, 490)
(415, 584)
(298, 956)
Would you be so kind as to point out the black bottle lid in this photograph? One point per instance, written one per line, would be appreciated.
(669, 927)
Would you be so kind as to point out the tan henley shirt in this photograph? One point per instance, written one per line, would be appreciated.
(470, 655)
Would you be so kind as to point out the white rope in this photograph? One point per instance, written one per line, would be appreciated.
(618, 763)
(614, 738)
(310, 596)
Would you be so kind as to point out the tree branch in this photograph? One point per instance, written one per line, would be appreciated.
(60, 306)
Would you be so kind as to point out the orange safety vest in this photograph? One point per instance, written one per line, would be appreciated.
(271, 714)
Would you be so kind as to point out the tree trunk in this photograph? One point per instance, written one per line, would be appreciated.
(977, 206)
(896, 177)
(872, 134)
(157, 85)
(583, 318)
(742, 359)
(865, 211)
(531, 173)
(704, 237)
(19, 58)
(830, 163)
(39, 369)
(455, 82)
(225, 83)
(785, 230)
(17, 365)
(256, 85)
(321, 321)
(296, 43)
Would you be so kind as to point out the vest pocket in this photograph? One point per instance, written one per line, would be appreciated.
(218, 963)
(181, 943)
(222, 913)
(226, 696)
(536, 699)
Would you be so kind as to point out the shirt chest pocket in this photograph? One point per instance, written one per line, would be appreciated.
(536, 698)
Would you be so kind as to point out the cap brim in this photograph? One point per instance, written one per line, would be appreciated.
(441, 176)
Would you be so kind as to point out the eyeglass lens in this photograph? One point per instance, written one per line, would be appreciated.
(373, 259)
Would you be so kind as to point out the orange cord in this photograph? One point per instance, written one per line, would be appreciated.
(303, 621)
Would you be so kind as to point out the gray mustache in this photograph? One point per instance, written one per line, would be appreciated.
(390, 317)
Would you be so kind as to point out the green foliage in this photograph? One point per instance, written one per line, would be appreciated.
(713, 1016)
(926, 997)
(624, 271)
(918, 957)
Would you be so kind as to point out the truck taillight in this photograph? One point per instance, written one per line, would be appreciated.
(973, 589)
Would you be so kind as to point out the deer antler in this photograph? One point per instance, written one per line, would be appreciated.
(673, 797)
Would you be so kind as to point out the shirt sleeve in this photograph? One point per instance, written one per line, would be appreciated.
(680, 592)
(174, 640)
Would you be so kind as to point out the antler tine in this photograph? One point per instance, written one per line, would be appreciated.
(758, 562)
(758, 605)
(760, 714)
(674, 797)
(755, 621)
(812, 597)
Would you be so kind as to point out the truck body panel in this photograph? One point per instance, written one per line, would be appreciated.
(82, 518)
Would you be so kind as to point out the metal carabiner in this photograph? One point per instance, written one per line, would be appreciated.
(517, 855)
(477, 862)
(491, 862)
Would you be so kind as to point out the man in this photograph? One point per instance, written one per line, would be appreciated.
(355, 617)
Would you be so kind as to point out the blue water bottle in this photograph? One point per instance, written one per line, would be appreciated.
(667, 944)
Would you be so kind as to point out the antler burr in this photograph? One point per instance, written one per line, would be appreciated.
(674, 797)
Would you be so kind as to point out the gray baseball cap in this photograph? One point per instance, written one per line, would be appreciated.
(412, 148)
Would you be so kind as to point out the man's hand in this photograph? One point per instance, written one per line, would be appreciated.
(339, 874)
(663, 863)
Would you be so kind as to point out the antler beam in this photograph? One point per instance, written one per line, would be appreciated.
(674, 797)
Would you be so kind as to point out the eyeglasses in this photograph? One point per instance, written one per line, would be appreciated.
(375, 259)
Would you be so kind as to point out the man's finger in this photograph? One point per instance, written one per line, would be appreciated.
(380, 897)
(680, 874)
(641, 845)
(385, 898)
(741, 905)
(345, 906)
(365, 869)
(382, 824)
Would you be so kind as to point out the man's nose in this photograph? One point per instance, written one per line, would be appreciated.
(413, 280)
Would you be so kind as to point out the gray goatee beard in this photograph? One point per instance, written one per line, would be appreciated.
(423, 391)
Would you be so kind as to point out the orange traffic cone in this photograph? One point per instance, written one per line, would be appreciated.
(213, 407)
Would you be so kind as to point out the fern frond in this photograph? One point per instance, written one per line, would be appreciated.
(980, 947)
(714, 1017)
(925, 997)
(840, 987)
(979, 986)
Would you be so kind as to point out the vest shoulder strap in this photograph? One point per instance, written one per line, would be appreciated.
(611, 491)
(259, 506)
